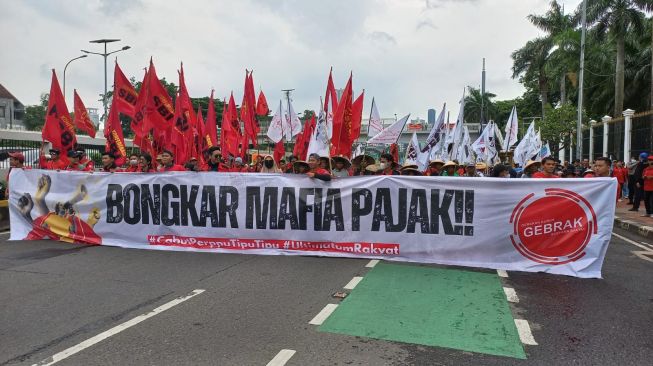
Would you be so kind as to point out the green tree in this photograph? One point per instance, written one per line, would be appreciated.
(34, 117)
(474, 102)
(558, 126)
(529, 63)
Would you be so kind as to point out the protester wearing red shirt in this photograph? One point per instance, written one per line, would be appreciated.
(387, 165)
(88, 164)
(315, 170)
(145, 163)
(238, 167)
(73, 162)
(132, 164)
(55, 162)
(648, 187)
(548, 169)
(109, 162)
(167, 163)
(621, 173)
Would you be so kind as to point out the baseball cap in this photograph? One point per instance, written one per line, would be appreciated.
(643, 155)
(238, 160)
(18, 155)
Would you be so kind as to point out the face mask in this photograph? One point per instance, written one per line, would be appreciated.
(269, 164)
(383, 165)
(133, 162)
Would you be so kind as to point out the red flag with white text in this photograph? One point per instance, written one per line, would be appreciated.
(124, 94)
(58, 127)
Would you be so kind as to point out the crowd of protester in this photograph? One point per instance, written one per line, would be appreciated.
(635, 178)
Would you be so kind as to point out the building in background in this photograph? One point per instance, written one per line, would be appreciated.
(11, 111)
(94, 116)
(430, 117)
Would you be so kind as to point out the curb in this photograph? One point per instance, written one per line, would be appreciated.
(634, 227)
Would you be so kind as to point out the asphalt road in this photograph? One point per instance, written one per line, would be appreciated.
(54, 296)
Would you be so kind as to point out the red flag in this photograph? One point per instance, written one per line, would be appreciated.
(394, 151)
(124, 94)
(82, 120)
(262, 105)
(113, 133)
(301, 145)
(186, 104)
(58, 128)
(200, 141)
(145, 145)
(230, 135)
(161, 112)
(279, 151)
(330, 95)
(342, 119)
(354, 129)
(179, 134)
(248, 112)
(210, 128)
(139, 124)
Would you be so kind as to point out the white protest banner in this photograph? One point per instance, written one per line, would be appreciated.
(559, 226)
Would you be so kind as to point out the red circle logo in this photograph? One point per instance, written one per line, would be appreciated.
(554, 228)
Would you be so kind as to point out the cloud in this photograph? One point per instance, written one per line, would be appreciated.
(426, 23)
(382, 37)
(118, 7)
(434, 4)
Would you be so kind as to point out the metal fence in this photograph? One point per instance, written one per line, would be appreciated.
(641, 137)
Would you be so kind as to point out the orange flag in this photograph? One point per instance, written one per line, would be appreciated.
(82, 120)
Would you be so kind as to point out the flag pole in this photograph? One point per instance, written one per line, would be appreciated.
(369, 121)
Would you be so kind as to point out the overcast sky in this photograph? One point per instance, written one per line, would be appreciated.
(410, 55)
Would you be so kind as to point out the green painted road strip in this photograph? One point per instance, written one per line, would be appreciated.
(430, 306)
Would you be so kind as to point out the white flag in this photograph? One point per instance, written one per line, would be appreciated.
(375, 125)
(465, 155)
(390, 134)
(358, 151)
(511, 129)
(524, 148)
(436, 131)
(293, 125)
(411, 151)
(275, 129)
(498, 136)
(545, 151)
(319, 143)
(480, 145)
(457, 135)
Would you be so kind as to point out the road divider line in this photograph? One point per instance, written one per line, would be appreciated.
(372, 263)
(502, 273)
(115, 330)
(511, 294)
(354, 281)
(630, 241)
(282, 357)
(524, 331)
(323, 315)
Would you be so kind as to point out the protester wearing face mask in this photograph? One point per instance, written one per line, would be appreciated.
(387, 165)
(269, 165)
(132, 166)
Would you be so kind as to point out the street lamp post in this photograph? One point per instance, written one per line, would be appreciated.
(105, 54)
(64, 73)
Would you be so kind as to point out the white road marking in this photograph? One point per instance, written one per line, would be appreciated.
(115, 330)
(647, 244)
(525, 334)
(643, 254)
(372, 263)
(502, 273)
(323, 315)
(354, 281)
(511, 294)
(282, 357)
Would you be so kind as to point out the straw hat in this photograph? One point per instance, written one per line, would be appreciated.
(531, 162)
(436, 161)
(372, 168)
(342, 159)
(363, 158)
(408, 165)
(481, 166)
(410, 171)
(448, 164)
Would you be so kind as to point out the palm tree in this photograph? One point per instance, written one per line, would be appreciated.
(560, 29)
(474, 102)
(529, 63)
(616, 18)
